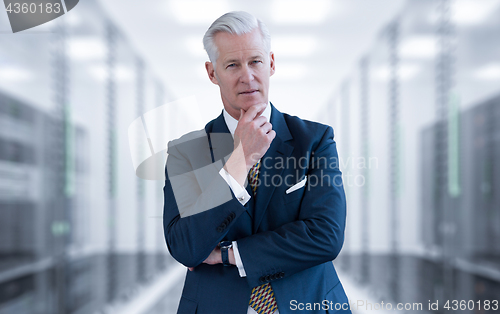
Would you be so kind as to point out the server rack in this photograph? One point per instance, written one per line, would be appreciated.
(48, 177)
(457, 256)
(30, 234)
(475, 272)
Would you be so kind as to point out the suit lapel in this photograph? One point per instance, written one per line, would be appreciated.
(268, 171)
(220, 139)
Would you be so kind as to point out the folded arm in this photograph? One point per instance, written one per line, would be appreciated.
(196, 215)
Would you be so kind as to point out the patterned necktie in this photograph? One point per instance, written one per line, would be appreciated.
(253, 175)
(262, 299)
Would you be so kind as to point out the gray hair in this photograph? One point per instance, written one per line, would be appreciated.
(237, 23)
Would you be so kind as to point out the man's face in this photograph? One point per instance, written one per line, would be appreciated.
(242, 71)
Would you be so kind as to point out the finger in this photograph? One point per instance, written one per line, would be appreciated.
(255, 111)
(242, 113)
(271, 135)
(191, 268)
(259, 107)
(250, 114)
(266, 127)
(261, 110)
(260, 121)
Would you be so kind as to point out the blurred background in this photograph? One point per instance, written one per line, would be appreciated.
(411, 88)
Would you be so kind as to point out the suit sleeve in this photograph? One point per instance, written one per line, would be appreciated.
(315, 237)
(199, 208)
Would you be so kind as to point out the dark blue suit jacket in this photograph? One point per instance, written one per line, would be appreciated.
(288, 240)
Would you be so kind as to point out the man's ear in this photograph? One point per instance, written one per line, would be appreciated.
(271, 59)
(211, 72)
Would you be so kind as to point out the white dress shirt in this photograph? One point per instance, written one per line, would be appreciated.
(239, 191)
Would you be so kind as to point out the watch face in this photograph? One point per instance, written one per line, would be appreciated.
(225, 244)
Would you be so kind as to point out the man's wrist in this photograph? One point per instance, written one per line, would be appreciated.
(236, 166)
(219, 256)
(230, 252)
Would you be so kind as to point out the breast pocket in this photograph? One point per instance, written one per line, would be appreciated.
(294, 196)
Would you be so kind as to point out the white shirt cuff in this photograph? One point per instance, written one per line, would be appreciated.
(237, 259)
(241, 194)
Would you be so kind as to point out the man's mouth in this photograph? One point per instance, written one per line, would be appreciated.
(249, 92)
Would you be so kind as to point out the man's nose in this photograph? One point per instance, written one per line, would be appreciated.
(246, 74)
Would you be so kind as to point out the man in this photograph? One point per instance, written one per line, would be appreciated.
(254, 203)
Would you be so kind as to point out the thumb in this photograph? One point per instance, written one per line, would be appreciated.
(241, 113)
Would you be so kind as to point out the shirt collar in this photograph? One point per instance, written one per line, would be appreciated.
(232, 123)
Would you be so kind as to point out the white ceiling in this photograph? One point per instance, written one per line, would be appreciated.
(316, 44)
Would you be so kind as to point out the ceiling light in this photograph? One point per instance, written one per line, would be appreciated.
(14, 74)
(198, 11)
(294, 46)
(489, 72)
(419, 47)
(90, 48)
(300, 12)
(122, 73)
(470, 12)
(405, 72)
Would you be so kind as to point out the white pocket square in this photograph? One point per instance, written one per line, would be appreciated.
(296, 186)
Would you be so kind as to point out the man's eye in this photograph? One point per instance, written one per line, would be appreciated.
(256, 61)
(231, 65)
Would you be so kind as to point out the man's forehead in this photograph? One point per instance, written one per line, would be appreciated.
(232, 42)
(242, 55)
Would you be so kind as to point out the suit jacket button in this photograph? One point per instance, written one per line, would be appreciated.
(262, 279)
(267, 278)
(274, 276)
(282, 274)
(220, 229)
(233, 215)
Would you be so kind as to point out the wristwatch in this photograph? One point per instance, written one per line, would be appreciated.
(224, 248)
